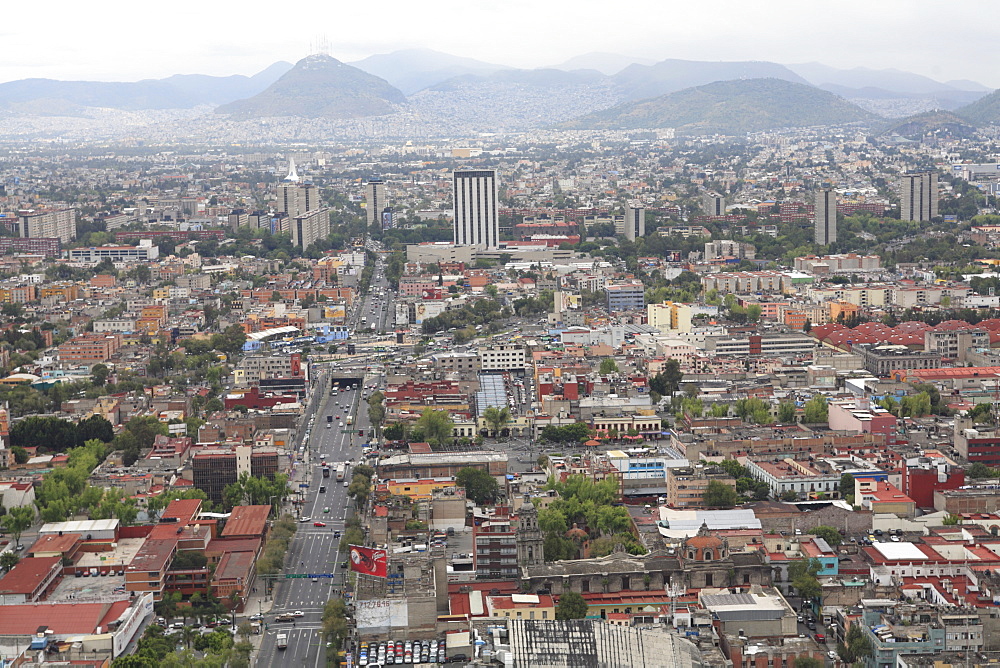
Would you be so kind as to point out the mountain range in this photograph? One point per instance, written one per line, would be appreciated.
(729, 107)
(598, 88)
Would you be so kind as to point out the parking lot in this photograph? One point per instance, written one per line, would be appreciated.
(73, 588)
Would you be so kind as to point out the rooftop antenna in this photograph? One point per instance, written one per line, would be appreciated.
(319, 45)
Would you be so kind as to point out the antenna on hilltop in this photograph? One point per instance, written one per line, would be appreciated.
(319, 45)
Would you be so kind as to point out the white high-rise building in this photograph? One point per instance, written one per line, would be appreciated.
(826, 216)
(715, 205)
(477, 215)
(635, 220)
(375, 201)
(918, 196)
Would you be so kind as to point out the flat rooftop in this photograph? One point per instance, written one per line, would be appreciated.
(125, 550)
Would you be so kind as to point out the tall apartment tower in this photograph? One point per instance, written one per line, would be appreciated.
(477, 216)
(375, 201)
(635, 220)
(826, 216)
(715, 205)
(918, 196)
(309, 227)
(47, 223)
(297, 199)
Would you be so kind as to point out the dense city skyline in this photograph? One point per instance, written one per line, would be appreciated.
(79, 44)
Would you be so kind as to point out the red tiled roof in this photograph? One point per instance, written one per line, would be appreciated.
(25, 577)
(54, 543)
(247, 521)
(62, 619)
(183, 509)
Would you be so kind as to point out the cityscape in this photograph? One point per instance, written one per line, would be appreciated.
(416, 358)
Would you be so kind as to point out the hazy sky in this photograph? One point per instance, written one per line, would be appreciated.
(124, 41)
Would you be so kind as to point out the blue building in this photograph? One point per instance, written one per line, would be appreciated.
(625, 297)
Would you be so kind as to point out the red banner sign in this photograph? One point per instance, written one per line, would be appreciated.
(369, 561)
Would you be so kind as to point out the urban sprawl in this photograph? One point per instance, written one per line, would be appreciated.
(556, 398)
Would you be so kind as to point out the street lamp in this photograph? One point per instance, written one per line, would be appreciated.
(269, 502)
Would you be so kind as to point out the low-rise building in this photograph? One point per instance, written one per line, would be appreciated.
(686, 486)
(789, 476)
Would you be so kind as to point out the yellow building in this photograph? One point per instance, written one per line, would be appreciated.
(418, 490)
(670, 315)
(521, 606)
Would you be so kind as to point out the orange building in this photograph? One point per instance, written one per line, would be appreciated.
(90, 348)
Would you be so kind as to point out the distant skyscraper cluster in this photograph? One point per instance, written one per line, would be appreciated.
(826, 216)
(918, 196)
(477, 215)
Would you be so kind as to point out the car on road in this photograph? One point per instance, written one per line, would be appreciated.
(319, 524)
(305, 519)
(285, 617)
(343, 564)
(298, 613)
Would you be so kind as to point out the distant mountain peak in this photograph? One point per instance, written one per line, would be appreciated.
(320, 86)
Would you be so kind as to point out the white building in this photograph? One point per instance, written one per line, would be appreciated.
(635, 220)
(144, 252)
(502, 358)
(477, 216)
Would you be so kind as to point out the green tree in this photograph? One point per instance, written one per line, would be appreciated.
(815, 410)
(8, 560)
(786, 412)
(436, 426)
(479, 485)
(856, 646)
(21, 455)
(807, 661)
(17, 520)
(978, 471)
(145, 429)
(571, 606)
(951, 520)
(99, 374)
(334, 623)
(95, 427)
(496, 418)
(802, 574)
(668, 380)
(608, 366)
(719, 495)
(829, 534)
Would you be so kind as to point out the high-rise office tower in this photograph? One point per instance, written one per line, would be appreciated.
(918, 196)
(635, 220)
(477, 216)
(296, 198)
(826, 216)
(375, 201)
(715, 205)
